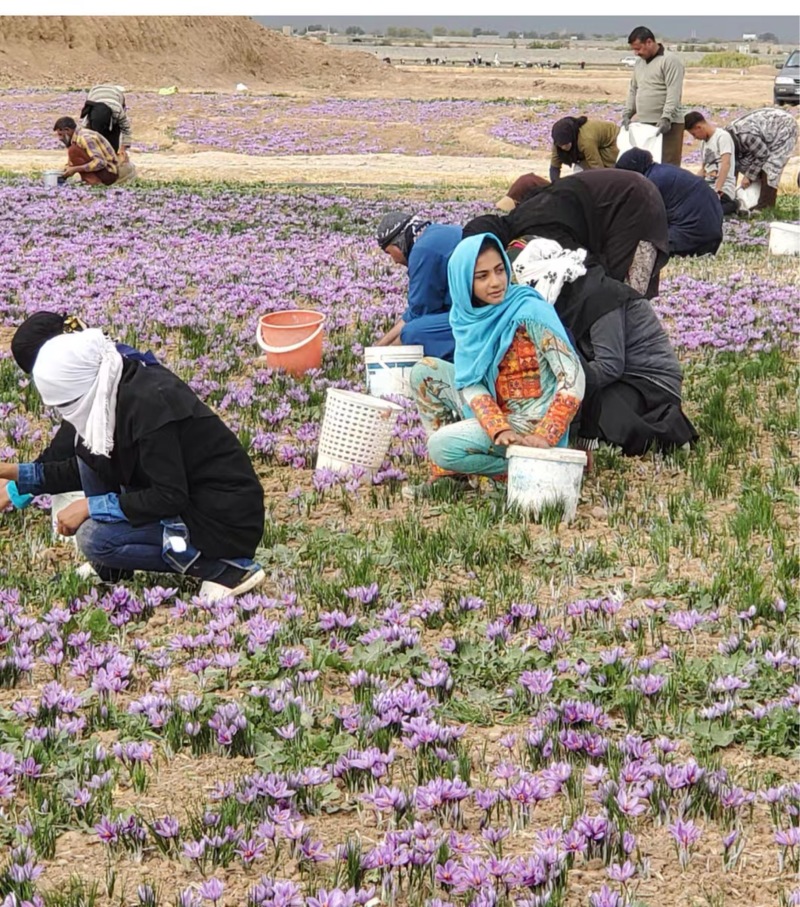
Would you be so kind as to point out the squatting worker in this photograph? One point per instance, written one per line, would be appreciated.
(424, 248)
(583, 143)
(654, 95)
(168, 486)
(104, 112)
(88, 153)
(694, 214)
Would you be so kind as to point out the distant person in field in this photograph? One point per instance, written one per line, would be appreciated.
(587, 144)
(424, 248)
(694, 214)
(718, 156)
(104, 112)
(763, 140)
(88, 154)
(654, 95)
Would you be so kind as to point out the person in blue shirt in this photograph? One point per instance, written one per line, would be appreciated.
(425, 249)
(694, 214)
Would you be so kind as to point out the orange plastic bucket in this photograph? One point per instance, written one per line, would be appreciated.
(292, 340)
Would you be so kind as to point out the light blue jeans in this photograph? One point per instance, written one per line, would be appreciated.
(455, 444)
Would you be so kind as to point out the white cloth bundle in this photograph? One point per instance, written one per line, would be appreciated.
(544, 265)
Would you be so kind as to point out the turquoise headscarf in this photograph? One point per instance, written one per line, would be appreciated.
(483, 335)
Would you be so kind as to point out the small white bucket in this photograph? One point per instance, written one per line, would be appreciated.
(50, 177)
(784, 239)
(356, 431)
(538, 476)
(389, 369)
(57, 503)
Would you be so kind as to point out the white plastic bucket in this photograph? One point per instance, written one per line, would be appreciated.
(57, 503)
(539, 476)
(641, 135)
(50, 177)
(389, 369)
(356, 431)
(784, 239)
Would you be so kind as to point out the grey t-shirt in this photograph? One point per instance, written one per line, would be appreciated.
(720, 143)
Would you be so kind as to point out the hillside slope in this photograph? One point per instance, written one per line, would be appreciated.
(188, 51)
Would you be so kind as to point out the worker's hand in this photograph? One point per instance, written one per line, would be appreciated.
(507, 437)
(70, 171)
(72, 517)
(626, 121)
(534, 441)
(745, 182)
(5, 500)
(664, 126)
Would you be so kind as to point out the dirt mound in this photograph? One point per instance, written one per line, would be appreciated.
(188, 51)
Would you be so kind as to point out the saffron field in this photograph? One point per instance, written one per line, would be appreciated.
(428, 704)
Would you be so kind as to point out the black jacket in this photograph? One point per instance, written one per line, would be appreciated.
(174, 457)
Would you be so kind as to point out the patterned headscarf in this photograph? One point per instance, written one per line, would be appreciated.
(401, 229)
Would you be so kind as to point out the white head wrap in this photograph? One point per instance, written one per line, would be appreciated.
(79, 375)
(545, 265)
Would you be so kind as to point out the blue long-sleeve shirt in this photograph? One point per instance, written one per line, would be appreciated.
(428, 292)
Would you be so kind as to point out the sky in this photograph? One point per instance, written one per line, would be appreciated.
(726, 27)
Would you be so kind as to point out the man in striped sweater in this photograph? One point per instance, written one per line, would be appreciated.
(104, 112)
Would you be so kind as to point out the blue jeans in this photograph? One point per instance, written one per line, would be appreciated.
(123, 547)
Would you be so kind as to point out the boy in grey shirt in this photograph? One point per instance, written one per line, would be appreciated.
(718, 156)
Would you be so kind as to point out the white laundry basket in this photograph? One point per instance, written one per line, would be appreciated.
(389, 368)
(356, 430)
(538, 476)
(784, 239)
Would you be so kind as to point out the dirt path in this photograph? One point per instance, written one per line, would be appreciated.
(387, 170)
(359, 169)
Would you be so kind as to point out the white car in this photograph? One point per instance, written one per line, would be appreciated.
(628, 61)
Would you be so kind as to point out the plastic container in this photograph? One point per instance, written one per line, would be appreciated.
(750, 195)
(50, 177)
(356, 431)
(784, 239)
(537, 477)
(389, 369)
(292, 340)
(57, 503)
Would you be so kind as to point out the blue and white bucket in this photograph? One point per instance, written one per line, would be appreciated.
(50, 177)
(389, 369)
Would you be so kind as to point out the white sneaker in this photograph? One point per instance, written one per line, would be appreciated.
(213, 592)
(86, 571)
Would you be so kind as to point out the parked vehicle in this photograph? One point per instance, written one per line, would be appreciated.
(787, 82)
(628, 61)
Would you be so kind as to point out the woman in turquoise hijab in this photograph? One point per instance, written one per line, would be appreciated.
(515, 378)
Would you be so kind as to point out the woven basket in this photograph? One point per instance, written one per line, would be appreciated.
(356, 430)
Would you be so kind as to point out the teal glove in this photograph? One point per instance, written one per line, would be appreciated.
(18, 501)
